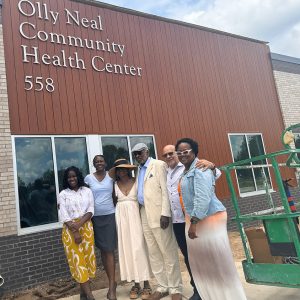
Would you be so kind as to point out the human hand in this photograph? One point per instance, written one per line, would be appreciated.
(74, 226)
(192, 231)
(77, 237)
(205, 164)
(164, 222)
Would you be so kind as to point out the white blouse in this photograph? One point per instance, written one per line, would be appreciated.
(73, 205)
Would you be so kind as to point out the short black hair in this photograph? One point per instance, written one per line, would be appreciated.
(98, 155)
(78, 175)
(193, 144)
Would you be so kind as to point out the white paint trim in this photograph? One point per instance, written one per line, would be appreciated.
(16, 184)
(39, 228)
(55, 168)
(236, 177)
(263, 142)
(249, 153)
(256, 193)
(129, 147)
(94, 147)
(154, 142)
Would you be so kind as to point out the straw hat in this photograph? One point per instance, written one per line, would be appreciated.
(120, 163)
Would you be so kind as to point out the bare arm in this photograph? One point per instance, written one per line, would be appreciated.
(204, 164)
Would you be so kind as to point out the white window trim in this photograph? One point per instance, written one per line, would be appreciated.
(92, 150)
(254, 193)
(34, 229)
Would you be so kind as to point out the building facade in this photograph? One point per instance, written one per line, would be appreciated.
(79, 78)
(287, 77)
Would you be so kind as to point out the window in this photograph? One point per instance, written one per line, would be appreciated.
(148, 140)
(70, 151)
(36, 182)
(40, 163)
(297, 142)
(37, 159)
(244, 146)
(115, 147)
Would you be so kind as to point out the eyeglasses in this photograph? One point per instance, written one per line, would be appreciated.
(184, 152)
(168, 154)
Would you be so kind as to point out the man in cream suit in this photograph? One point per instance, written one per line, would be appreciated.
(156, 214)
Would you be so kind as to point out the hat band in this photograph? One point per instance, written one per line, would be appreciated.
(121, 161)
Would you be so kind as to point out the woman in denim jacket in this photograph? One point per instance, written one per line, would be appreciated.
(209, 250)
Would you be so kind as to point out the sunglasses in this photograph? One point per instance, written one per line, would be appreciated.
(184, 152)
(136, 153)
(168, 154)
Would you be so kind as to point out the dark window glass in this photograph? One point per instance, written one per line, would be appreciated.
(114, 148)
(36, 183)
(70, 151)
(148, 140)
(240, 152)
(297, 143)
(256, 149)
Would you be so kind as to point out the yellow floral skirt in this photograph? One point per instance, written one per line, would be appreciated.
(81, 257)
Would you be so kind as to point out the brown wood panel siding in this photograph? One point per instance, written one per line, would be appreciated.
(194, 82)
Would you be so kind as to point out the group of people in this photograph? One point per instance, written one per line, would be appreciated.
(148, 215)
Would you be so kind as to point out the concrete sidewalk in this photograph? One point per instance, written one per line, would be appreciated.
(253, 292)
(123, 290)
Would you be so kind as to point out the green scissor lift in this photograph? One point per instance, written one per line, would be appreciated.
(280, 227)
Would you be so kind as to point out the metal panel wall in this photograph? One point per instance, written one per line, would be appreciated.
(194, 82)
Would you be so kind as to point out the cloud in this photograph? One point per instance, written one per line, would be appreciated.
(34, 156)
(268, 20)
(288, 43)
(275, 21)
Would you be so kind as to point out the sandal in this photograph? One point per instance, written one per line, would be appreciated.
(135, 292)
(146, 293)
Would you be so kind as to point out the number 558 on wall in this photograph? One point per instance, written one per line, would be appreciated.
(38, 83)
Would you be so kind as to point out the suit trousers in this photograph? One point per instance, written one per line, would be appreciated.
(179, 230)
(163, 256)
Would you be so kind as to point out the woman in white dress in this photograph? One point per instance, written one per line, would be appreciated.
(133, 256)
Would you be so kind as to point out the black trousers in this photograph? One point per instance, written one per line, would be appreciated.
(179, 231)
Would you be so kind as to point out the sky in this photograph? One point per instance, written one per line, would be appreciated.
(273, 21)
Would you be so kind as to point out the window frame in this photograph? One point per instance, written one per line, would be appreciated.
(297, 136)
(45, 227)
(257, 192)
(96, 139)
(92, 150)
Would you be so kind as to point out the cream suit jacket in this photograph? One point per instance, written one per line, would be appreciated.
(156, 200)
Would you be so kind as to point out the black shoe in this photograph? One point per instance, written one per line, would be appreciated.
(195, 296)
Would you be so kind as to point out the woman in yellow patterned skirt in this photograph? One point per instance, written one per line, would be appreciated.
(76, 207)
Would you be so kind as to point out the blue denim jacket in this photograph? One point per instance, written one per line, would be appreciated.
(198, 193)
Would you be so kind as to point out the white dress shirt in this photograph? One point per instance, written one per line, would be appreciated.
(173, 177)
(73, 205)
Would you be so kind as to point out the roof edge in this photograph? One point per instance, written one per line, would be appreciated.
(164, 19)
(285, 58)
